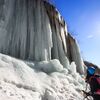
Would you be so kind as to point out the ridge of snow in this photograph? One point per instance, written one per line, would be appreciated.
(19, 81)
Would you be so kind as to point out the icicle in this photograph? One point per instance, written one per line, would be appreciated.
(25, 31)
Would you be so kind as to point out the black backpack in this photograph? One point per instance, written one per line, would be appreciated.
(94, 82)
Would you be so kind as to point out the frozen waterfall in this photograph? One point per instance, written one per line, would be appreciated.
(34, 30)
(49, 64)
(25, 30)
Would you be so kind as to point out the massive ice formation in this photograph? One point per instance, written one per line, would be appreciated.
(34, 30)
(25, 30)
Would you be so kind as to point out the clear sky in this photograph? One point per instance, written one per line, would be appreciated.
(83, 20)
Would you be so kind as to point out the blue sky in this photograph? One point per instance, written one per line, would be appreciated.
(83, 20)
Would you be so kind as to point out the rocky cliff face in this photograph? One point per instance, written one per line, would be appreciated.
(34, 30)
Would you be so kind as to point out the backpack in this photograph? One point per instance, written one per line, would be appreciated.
(97, 83)
(98, 80)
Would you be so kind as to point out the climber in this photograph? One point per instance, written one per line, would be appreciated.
(94, 81)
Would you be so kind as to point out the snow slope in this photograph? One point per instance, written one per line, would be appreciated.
(24, 80)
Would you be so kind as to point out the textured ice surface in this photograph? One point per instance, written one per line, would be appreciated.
(35, 30)
(19, 81)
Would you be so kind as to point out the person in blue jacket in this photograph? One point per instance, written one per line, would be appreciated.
(94, 81)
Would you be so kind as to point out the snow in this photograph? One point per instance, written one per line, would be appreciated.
(47, 67)
(34, 32)
(25, 80)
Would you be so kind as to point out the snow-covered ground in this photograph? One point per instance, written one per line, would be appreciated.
(35, 30)
(25, 80)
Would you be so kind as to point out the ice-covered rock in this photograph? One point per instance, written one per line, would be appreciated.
(47, 63)
(35, 30)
